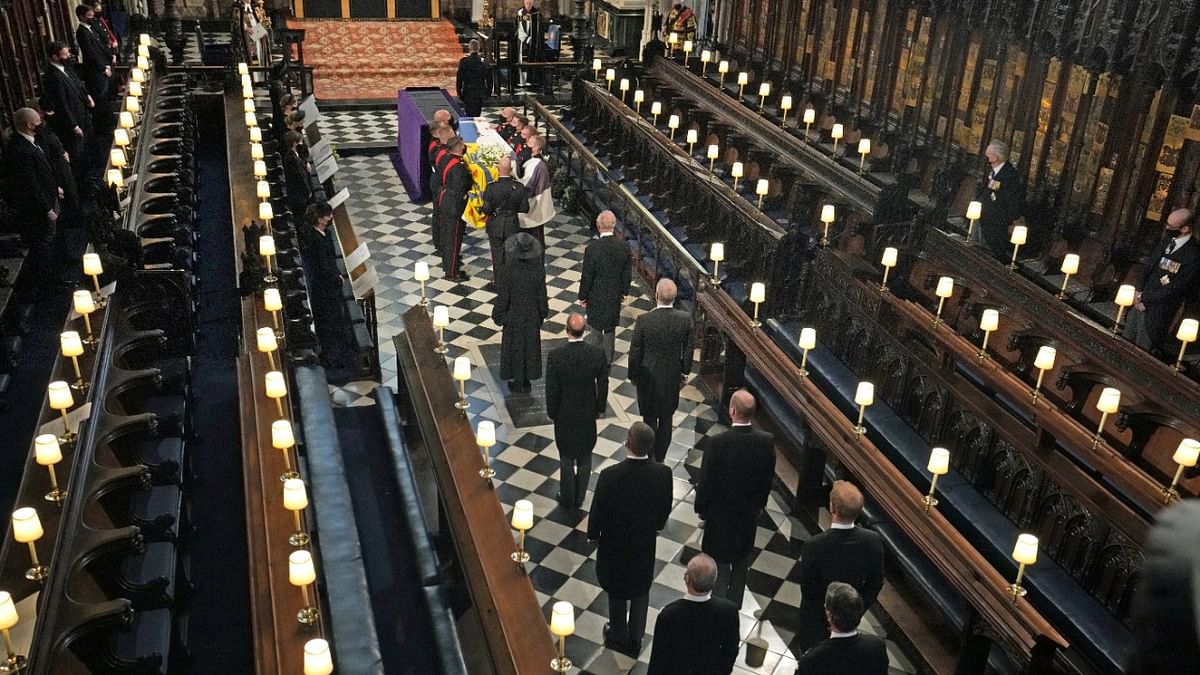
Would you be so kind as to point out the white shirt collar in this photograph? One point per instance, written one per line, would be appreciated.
(996, 169)
(62, 69)
(636, 458)
(698, 598)
(27, 137)
(578, 339)
(740, 424)
(1180, 241)
(835, 634)
(605, 234)
(670, 306)
(841, 526)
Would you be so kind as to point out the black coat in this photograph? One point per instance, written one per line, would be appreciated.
(607, 271)
(1169, 281)
(853, 556)
(503, 199)
(520, 308)
(32, 182)
(734, 484)
(320, 254)
(53, 147)
(860, 654)
(576, 394)
(66, 95)
(295, 176)
(1001, 199)
(631, 504)
(695, 638)
(456, 183)
(474, 79)
(96, 57)
(660, 354)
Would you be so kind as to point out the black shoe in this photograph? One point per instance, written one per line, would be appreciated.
(491, 286)
(562, 502)
(525, 387)
(612, 642)
(461, 276)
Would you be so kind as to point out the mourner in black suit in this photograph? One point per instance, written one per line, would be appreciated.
(474, 80)
(97, 57)
(452, 201)
(33, 190)
(324, 281)
(1001, 193)
(520, 308)
(842, 553)
(734, 484)
(660, 358)
(1171, 279)
(697, 634)
(296, 175)
(631, 504)
(503, 199)
(845, 651)
(1166, 608)
(48, 141)
(576, 396)
(607, 271)
(67, 97)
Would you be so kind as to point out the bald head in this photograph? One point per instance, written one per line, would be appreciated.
(576, 324)
(26, 120)
(1180, 222)
(443, 132)
(701, 574)
(741, 406)
(504, 166)
(665, 292)
(845, 502)
(507, 113)
(606, 221)
(442, 116)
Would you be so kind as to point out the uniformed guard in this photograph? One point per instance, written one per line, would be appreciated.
(452, 201)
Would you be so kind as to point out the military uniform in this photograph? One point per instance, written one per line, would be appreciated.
(436, 152)
(452, 201)
(502, 201)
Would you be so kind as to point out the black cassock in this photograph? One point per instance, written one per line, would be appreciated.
(521, 308)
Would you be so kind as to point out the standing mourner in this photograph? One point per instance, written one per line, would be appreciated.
(67, 98)
(1170, 280)
(1001, 195)
(607, 271)
(503, 200)
(456, 183)
(529, 34)
(474, 80)
(536, 177)
(576, 396)
(520, 308)
(660, 358)
(324, 279)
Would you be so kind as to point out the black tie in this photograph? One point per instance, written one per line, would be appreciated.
(1170, 247)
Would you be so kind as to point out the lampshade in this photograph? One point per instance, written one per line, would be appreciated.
(610, 74)
(624, 84)
(828, 213)
(656, 108)
(1025, 552)
(266, 245)
(317, 659)
(251, 119)
(116, 157)
(266, 340)
(758, 292)
(245, 80)
(808, 338)
(1125, 295)
(716, 252)
(26, 526)
(522, 515)
(120, 137)
(143, 62)
(421, 271)
(864, 146)
(282, 436)
(441, 316)
(263, 188)
(692, 136)
(889, 256)
(989, 321)
(562, 619)
(243, 69)
(714, 151)
(1070, 264)
(295, 496)
(1109, 401)
(736, 171)
(764, 89)
(485, 435)
(271, 300)
(639, 96)
(596, 65)
(46, 450)
(260, 169)
(865, 394)
(115, 179)
(134, 89)
(810, 115)
(255, 135)
(125, 120)
(301, 571)
(1045, 357)
(266, 211)
(1187, 453)
(723, 67)
(945, 287)
(256, 150)
(276, 387)
(939, 461)
(1187, 330)
(673, 38)
(743, 78)
(143, 51)
(132, 104)
(673, 121)
(705, 55)
(688, 46)
(82, 302)
(71, 344)
(144, 39)
(92, 265)
(462, 368)
(1019, 233)
(838, 131)
(247, 92)
(763, 188)
(59, 395)
(785, 103)
(8, 611)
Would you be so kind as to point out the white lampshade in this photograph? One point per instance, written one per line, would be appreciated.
(120, 137)
(301, 571)
(92, 264)
(1070, 264)
(989, 321)
(705, 55)
(838, 131)
(692, 136)
(59, 395)
(890, 254)
(256, 150)
(251, 119)
(673, 38)
(143, 62)
(143, 51)
(282, 436)
(317, 659)
(1045, 357)
(758, 292)
(115, 179)
(8, 611)
(764, 89)
(736, 171)
(723, 67)
(562, 619)
(865, 394)
(245, 80)
(974, 210)
(255, 135)
(134, 89)
(828, 213)
(1187, 330)
(743, 78)
(144, 40)
(125, 120)
(785, 103)
(810, 115)
(116, 157)
(260, 169)
(82, 302)
(610, 74)
(26, 526)
(596, 65)
(262, 188)
(656, 108)
(522, 515)
(132, 104)
(945, 287)
(673, 122)
(939, 462)
(295, 496)
(462, 368)
(624, 84)
(763, 187)
(421, 271)
(1026, 549)
(265, 337)
(808, 338)
(714, 151)
(271, 300)
(266, 245)
(46, 450)
(864, 146)
(266, 211)
(70, 344)
(485, 435)
(639, 96)
(276, 387)
(1125, 295)
(716, 252)
(243, 69)
(247, 93)
(1187, 453)
(1109, 401)
(688, 46)
(1019, 233)
(441, 316)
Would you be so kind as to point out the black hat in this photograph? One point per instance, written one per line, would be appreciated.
(523, 246)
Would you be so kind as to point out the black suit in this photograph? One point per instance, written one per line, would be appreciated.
(1001, 194)
(33, 193)
(576, 394)
(853, 556)
(631, 504)
(607, 271)
(456, 183)
(96, 59)
(660, 356)
(1169, 281)
(735, 482)
(67, 97)
(324, 285)
(503, 199)
(695, 638)
(856, 655)
(295, 176)
(474, 83)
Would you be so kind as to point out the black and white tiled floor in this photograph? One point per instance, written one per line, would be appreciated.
(525, 458)
(359, 126)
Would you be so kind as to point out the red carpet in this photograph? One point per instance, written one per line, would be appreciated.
(373, 59)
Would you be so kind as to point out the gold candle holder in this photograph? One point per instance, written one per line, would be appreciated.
(58, 394)
(890, 255)
(27, 529)
(462, 373)
(441, 319)
(987, 323)
(1126, 296)
(93, 267)
(8, 618)
(84, 305)
(945, 288)
(1070, 265)
(522, 520)
(1024, 553)
(284, 439)
(1186, 335)
(758, 295)
(485, 438)
(828, 215)
(562, 624)
(1108, 403)
(295, 499)
(48, 453)
(421, 274)
(863, 397)
(974, 212)
(302, 573)
(1019, 234)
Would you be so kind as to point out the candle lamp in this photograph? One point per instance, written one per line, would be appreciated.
(736, 172)
(47, 452)
(251, 120)
(267, 344)
(116, 181)
(1024, 553)
(302, 574)
(248, 106)
(714, 151)
(143, 51)
(317, 659)
(134, 88)
(485, 438)
(27, 529)
(837, 133)
(116, 157)
(441, 319)
(266, 248)
(716, 253)
(263, 189)
(462, 373)
(705, 58)
(939, 465)
(283, 438)
(94, 267)
(988, 322)
(1044, 361)
(522, 520)
(974, 211)
(562, 624)
(722, 69)
(421, 274)
(72, 348)
(828, 215)
(1126, 295)
(762, 189)
(255, 135)
(785, 104)
(638, 97)
(120, 137)
(890, 254)
(84, 306)
(672, 40)
(743, 79)
(143, 62)
(810, 116)
(624, 87)
(808, 341)
(59, 397)
(247, 93)
(1186, 335)
(610, 76)
(276, 389)
(266, 212)
(1070, 265)
(656, 110)
(144, 40)
(273, 304)
(864, 149)
(1017, 239)
(13, 662)
(260, 169)
(1108, 404)
(295, 499)
(758, 294)
(256, 150)
(133, 105)
(673, 124)
(1185, 457)
(764, 90)
(863, 397)
(691, 138)
(596, 66)
(945, 289)
(243, 69)
(137, 75)
(688, 46)
(245, 81)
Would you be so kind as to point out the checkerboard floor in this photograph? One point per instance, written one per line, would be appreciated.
(359, 126)
(525, 457)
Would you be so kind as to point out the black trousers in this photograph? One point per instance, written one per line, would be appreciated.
(496, 244)
(661, 424)
(627, 618)
(452, 234)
